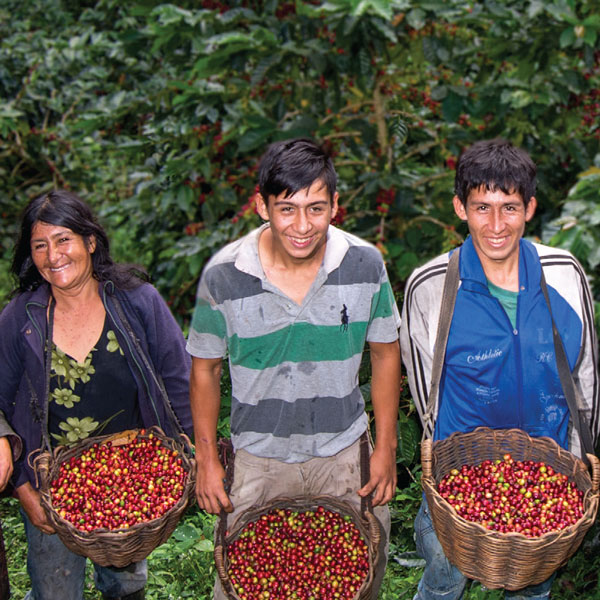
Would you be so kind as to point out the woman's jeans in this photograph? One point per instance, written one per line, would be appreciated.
(442, 580)
(56, 573)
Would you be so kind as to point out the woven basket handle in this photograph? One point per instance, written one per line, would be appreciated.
(594, 472)
(426, 457)
(446, 311)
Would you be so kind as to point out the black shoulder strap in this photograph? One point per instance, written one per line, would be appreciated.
(439, 352)
(47, 367)
(157, 380)
(568, 385)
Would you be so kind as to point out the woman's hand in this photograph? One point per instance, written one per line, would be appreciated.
(6, 463)
(30, 501)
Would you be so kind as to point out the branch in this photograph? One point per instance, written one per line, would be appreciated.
(459, 238)
(341, 134)
(417, 150)
(351, 163)
(429, 178)
(356, 192)
(288, 115)
(350, 107)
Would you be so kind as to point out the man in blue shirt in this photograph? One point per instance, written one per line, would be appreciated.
(499, 368)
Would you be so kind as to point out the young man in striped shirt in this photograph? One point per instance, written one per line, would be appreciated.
(292, 304)
(499, 368)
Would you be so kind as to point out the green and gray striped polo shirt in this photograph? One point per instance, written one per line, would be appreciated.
(294, 368)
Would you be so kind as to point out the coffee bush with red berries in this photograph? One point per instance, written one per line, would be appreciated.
(527, 497)
(313, 554)
(113, 486)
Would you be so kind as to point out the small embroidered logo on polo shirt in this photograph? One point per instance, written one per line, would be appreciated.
(345, 319)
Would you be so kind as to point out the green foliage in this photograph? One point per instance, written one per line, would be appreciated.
(157, 113)
(578, 228)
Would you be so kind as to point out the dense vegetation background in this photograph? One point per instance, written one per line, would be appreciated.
(157, 114)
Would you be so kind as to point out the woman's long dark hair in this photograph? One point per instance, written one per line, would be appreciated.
(66, 209)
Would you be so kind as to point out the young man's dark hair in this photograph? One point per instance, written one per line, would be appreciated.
(495, 165)
(293, 165)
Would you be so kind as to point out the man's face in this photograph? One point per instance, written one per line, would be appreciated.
(496, 223)
(299, 223)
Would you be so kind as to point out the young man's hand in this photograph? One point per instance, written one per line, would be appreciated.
(385, 394)
(205, 401)
(210, 489)
(383, 477)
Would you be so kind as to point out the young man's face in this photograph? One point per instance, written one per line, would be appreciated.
(299, 223)
(496, 223)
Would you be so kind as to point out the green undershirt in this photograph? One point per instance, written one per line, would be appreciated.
(507, 299)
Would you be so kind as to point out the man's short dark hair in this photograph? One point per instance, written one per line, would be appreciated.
(293, 165)
(495, 165)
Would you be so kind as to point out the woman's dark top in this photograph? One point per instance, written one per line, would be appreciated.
(94, 397)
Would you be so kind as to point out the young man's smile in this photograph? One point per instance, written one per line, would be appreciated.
(496, 223)
(299, 223)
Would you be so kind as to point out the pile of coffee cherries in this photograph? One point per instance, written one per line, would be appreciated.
(526, 497)
(313, 554)
(113, 486)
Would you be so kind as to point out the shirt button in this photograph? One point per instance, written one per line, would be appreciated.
(28, 331)
(516, 331)
(522, 288)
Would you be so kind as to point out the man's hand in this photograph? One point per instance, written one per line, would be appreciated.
(383, 477)
(210, 490)
(30, 501)
(6, 463)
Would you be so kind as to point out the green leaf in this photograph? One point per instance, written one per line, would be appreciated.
(590, 35)
(381, 8)
(592, 21)
(409, 437)
(520, 98)
(452, 107)
(187, 532)
(254, 138)
(567, 37)
(185, 198)
(416, 18)
(399, 129)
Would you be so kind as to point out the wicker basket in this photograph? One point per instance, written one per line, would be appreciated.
(504, 560)
(116, 548)
(369, 528)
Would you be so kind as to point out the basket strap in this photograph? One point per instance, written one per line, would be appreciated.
(227, 456)
(451, 282)
(157, 380)
(568, 385)
(366, 502)
(47, 369)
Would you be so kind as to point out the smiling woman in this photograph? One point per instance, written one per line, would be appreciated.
(70, 370)
(61, 256)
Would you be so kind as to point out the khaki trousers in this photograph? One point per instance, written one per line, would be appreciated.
(259, 480)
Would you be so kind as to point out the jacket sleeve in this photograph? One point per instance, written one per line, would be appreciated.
(417, 333)
(585, 373)
(15, 441)
(166, 346)
(11, 372)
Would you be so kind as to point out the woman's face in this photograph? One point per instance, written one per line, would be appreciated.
(61, 256)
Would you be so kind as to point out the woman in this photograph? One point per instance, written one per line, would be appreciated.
(110, 342)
